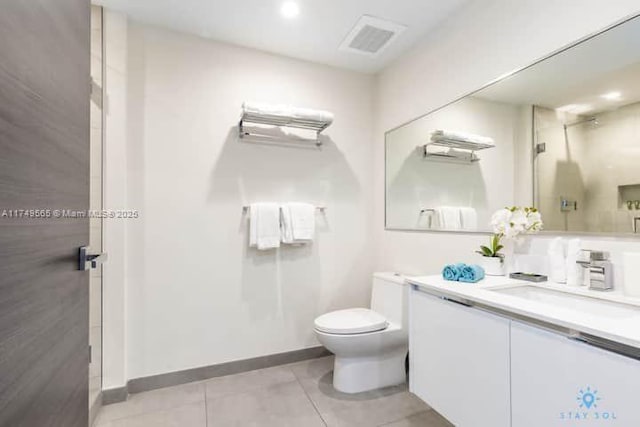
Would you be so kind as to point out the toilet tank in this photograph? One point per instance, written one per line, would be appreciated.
(390, 297)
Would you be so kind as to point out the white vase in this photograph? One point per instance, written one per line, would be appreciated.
(493, 266)
(511, 247)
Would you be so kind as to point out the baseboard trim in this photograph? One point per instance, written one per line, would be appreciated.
(153, 382)
(114, 395)
(95, 408)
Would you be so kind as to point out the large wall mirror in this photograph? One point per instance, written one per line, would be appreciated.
(562, 135)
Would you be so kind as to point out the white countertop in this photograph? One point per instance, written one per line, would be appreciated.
(625, 330)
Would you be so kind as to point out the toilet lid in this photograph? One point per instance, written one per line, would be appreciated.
(351, 321)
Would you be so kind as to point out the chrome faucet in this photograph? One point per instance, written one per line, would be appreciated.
(598, 269)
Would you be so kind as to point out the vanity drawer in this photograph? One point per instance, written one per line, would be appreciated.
(557, 381)
(460, 361)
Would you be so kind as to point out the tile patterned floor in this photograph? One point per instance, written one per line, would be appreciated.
(295, 395)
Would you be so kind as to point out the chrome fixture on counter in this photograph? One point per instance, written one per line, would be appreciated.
(598, 269)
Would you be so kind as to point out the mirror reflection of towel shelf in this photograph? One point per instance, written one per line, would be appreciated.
(463, 157)
(459, 144)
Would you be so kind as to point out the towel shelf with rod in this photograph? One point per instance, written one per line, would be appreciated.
(246, 208)
(467, 157)
(459, 144)
(284, 116)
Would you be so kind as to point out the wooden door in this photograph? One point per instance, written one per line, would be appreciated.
(44, 170)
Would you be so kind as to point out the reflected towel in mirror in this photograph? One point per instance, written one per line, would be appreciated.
(469, 219)
(447, 218)
(454, 135)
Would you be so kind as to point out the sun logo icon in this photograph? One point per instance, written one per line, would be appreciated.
(588, 398)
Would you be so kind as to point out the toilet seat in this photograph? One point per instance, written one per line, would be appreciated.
(351, 321)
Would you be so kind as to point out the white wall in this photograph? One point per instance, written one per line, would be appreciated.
(472, 48)
(196, 295)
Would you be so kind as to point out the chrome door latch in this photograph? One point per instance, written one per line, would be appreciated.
(87, 260)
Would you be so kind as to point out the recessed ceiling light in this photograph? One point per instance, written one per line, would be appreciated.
(612, 96)
(290, 9)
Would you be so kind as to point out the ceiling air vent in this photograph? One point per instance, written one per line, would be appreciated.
(371, 36)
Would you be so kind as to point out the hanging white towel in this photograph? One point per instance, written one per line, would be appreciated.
(298, 222)
(286, 226)
(264, 226)
(447, 218)
(469, 218)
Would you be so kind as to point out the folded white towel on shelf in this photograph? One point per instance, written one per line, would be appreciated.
(278, 111)
(313, 115)
(447, 218)
(298, 222)
(444, 134)
(469, 218)
(264, 226)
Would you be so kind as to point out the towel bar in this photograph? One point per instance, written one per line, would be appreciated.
(245, 209)
(317, 141)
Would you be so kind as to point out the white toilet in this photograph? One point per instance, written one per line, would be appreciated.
(370, 345)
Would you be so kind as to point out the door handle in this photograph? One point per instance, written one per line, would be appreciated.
(87, 260)
(455, 301)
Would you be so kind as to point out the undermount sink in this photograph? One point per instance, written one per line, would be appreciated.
(573, 302)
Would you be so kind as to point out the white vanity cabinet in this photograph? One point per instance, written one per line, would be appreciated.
(560, 382)
(481, 364)
(459, 361)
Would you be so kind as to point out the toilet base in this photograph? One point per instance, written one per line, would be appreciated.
(359, 374)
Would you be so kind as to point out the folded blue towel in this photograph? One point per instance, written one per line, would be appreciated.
(452, 271)
(471, 274)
